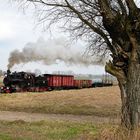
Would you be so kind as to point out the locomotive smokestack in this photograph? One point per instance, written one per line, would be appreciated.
(8, 72)
(49, 52)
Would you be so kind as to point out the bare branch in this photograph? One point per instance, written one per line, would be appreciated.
(132, 7)
(122, 6)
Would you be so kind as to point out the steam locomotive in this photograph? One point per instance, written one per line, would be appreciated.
(23, 82)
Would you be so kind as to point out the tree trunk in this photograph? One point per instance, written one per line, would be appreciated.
(124, 112)
(130, 95)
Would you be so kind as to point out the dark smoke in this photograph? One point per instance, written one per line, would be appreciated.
(49, 52)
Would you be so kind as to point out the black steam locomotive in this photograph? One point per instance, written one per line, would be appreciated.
(21, 80)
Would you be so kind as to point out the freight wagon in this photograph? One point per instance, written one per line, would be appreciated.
(82, 83)
(22, 81)
(59, 81)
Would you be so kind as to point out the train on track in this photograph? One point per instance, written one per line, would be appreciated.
(29, 82)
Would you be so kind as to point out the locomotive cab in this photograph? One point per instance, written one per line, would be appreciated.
(41, 81)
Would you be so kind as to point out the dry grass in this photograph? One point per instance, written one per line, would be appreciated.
(46, 130)
(63, 130)
(94, 101)
(117, 133)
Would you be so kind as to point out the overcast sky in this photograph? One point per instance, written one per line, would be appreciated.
(17, 29)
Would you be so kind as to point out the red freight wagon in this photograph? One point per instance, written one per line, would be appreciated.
(53, 80)
(87, 83)
(59, 81)
(67, 81)
(77, 83)
(82, 83)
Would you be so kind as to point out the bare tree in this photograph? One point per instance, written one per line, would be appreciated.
(1, 73)
(108, 25)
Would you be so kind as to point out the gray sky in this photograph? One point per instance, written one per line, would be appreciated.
(17, 29)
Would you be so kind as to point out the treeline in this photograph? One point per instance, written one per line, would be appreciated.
(2, 73)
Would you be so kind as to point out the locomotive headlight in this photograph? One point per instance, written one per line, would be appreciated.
(7, 88)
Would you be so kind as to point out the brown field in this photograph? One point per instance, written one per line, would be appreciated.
(100, 102)
(92, 101)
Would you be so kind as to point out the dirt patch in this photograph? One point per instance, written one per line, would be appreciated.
(35, 117)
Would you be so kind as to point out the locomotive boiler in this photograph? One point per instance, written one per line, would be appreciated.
(20, 79)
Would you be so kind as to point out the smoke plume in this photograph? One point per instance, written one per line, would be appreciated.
(49, 52)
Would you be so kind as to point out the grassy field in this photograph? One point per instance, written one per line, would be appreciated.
(94, 101)
(44, 130)
(56, 130)
(102, 102)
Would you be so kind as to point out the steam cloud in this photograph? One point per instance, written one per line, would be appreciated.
(49, 52)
